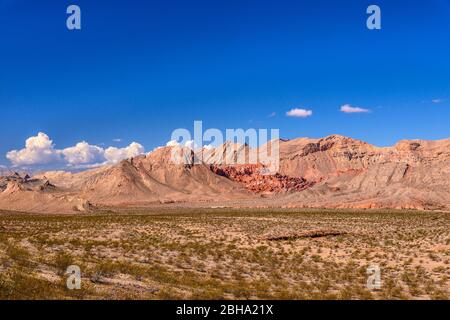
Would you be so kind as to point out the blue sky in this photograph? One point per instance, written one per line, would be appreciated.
(138, 70)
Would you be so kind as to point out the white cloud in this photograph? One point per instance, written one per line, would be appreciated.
(117, 140)
(40, 150)
(188, 144)
(83, 153)
(437, 101)
(208, 147)
(299, 113)
(172, 143)
(346, 108)
(273, 114)
(114, 155)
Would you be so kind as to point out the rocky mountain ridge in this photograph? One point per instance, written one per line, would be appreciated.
(330, 172)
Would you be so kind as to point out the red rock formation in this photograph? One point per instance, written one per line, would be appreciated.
(253, 178)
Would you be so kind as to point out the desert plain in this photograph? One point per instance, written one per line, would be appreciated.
(224, 253)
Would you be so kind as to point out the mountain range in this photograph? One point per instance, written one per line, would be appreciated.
(330, 172)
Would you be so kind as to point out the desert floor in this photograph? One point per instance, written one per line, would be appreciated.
(226, 254)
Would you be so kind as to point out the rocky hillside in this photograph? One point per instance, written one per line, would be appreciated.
(19, 192)
(352, 173)
(335, 172)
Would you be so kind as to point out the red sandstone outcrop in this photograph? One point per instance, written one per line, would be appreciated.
(254, 178)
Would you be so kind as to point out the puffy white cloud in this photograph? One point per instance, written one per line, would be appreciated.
(83, 153)
(114, 155)
(188, 144)
(40, 150)
(299, 113)
(346, 108)
(172, 143)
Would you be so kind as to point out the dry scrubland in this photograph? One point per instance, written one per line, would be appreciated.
(225, 254)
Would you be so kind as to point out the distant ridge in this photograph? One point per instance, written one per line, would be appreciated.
(330, 172)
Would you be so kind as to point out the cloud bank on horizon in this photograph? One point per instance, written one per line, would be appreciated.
(40, 150)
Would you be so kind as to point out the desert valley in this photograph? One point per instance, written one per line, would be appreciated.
(150, 229)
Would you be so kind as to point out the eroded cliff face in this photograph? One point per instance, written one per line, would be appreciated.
(332, 172)
(352, 173)
(316, 159)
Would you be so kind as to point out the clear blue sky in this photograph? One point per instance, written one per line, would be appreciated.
(139, 69)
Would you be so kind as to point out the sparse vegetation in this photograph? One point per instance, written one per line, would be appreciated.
(226, 254)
